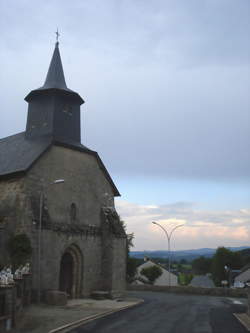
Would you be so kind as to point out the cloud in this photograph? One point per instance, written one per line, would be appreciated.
(166, 83)
(201, 228)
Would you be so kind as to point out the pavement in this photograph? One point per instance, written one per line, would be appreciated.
(244, 319)
(164, 312)
(51, 319)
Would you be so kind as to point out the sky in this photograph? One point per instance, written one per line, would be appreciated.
(166, 88)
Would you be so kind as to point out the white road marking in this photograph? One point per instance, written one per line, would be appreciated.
(234, 301)
(237, 302)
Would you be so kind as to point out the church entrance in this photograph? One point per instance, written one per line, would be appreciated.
(71, 272)
(66, 273)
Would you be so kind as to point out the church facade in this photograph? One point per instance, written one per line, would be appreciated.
(59, 193)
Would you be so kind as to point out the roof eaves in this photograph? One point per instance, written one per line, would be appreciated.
(14, 174)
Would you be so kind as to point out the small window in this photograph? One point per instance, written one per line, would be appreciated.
(73, 212)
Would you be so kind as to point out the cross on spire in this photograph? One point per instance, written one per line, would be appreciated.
(57, 35)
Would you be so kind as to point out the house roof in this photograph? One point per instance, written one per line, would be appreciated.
(18, 154)
(243, 276)
(245, 268)
(150, 261)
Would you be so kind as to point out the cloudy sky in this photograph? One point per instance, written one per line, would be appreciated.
(166, 85)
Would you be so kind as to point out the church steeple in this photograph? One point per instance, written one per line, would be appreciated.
(54, 109)
(55, 76)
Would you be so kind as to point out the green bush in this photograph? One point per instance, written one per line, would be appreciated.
(152, 273)
(20, 249)
(185, 278)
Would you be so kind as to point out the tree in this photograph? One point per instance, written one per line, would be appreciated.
(131, 262)
(183, 261)
(245, 255)
(130, 237)
(20, 249)
(185, 278)
(152, 273)
(202, 265)
(224, 257)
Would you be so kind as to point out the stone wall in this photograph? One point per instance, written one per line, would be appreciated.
(7, 308)
(13, 298)
(248, 297)
(53, 247)
(87, 190)
(114, 247)
(12, 217)
(85, 185)
(119, 264)
(228, 292)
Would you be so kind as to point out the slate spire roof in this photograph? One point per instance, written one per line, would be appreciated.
(55, 79)
(55, 76)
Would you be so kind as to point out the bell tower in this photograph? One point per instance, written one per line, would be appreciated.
(54, 109)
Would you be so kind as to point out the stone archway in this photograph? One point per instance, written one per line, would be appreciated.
(71, 267)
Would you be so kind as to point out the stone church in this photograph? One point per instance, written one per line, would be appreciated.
(59, 193)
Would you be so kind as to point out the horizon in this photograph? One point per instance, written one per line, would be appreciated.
(194, 249)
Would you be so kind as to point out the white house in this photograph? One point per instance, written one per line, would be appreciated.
(243, 277)
(163, 279)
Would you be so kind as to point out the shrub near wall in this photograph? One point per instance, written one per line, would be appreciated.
(248, 295)
(192, 290)
(20, 249)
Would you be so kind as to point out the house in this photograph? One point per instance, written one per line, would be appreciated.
(165, 279)
(243, 278)
(58, 192)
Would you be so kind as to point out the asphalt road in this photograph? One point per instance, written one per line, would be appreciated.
(170, 313)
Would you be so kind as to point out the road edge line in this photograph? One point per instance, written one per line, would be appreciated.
(93, 317)
(237, 316)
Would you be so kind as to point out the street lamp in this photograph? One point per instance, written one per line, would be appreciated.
(229, 274)
(169, 235)
(57, 181)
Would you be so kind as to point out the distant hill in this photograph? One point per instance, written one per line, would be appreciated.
(245, 252)
(185, 254)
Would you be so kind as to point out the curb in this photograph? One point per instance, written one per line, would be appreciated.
(244, 319)
(93, 317)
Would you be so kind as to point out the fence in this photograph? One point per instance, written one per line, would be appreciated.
(13, 297)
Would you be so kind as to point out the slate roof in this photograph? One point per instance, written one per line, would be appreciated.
(55, 79)
(244, 276)
(55, 76)
(18, 154)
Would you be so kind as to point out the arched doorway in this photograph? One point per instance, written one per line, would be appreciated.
(71, 272)
(66, 273)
